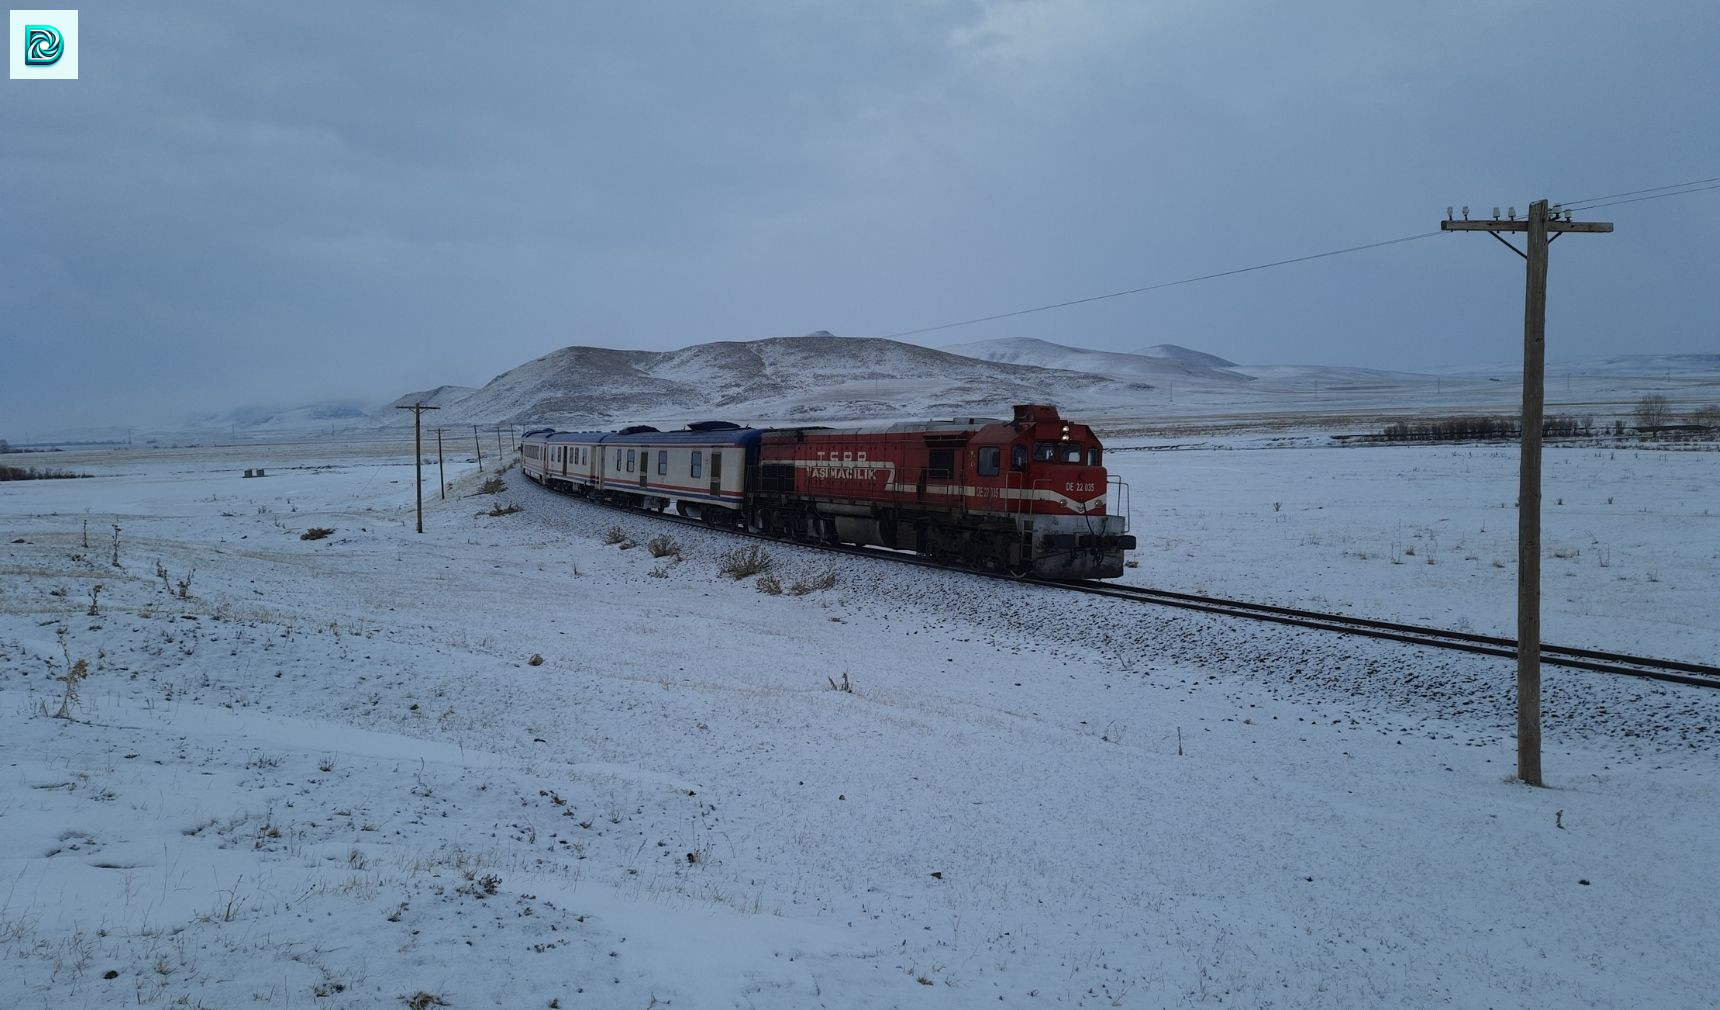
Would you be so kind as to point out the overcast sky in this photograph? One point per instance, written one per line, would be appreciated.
(281, 203)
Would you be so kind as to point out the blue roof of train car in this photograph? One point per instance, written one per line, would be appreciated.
(732, 436)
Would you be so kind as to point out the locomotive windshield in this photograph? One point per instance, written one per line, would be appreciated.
(1056, 452)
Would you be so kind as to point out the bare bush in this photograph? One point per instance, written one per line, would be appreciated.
(316, 533)
(1651, 412)
(614, 535)
(506, 510)
(745, 561)
(663, 545)
(770, 585)
(75, 673)
(495, 485)
(823, 580)
(37, 473)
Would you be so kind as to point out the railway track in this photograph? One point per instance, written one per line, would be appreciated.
(1672, 671)
(1667, 670)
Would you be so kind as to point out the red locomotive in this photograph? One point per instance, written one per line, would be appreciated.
(1027, 496)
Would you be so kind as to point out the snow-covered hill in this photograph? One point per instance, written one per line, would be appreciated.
(1153, 364)
(441, 396)
(813, 377)
(325, 416)
(1176, 352)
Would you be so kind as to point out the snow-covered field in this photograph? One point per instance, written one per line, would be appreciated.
(330, 775)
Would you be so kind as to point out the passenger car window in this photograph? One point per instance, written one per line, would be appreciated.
(662, 461)
(698, 463)
(989, 458)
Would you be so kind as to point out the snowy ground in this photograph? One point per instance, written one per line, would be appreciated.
(1630, 534)
(330, 775)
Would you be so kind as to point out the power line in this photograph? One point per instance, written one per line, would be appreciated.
(1575, 204)
(1660, 196)
(1162, 285)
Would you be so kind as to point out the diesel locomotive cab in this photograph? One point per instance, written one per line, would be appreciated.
(1056, 470)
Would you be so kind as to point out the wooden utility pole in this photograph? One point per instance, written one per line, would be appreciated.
(441, 474)
(1541, 228)
(418, 410)
(478, 446)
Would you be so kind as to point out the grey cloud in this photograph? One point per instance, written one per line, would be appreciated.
(296, 202)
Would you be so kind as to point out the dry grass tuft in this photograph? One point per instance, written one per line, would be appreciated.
(744, 561)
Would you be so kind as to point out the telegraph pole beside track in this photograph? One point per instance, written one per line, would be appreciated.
(1541, 229)
(418, 410)
(441, 474)
(478, 446)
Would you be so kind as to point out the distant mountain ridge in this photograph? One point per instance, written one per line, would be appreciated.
(821, 378)
(808, 377)
(1157, 363)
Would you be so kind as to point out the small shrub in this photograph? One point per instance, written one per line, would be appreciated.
(744, 561)
(614, 535)
(823, 580)
(660, 572)
(495, 485)
(76, 673)
(663, 545)
(315, 533)
(770, 585)
(185, 585)
(506, 510)
(845, 687)
(95, 595)
(422, 1000)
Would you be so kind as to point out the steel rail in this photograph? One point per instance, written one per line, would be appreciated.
(1669, 670)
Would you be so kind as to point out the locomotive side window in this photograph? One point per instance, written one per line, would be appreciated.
(1093, 456)
(698, 463)
(990, 458)
(1045, 452)
(662, 462)
(1018, 457)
